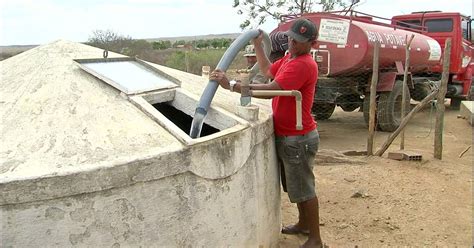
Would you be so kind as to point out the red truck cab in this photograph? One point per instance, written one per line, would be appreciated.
(441, 26)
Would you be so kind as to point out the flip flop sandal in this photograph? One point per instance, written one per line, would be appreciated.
(293, 230)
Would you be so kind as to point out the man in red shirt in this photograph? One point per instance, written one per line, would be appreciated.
(296, 149)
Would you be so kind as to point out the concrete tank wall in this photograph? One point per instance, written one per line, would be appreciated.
(109, 174)
(238, 206)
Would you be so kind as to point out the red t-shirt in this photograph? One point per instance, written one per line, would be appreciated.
(300, 73)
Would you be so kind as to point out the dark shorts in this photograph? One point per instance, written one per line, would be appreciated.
(296, 157)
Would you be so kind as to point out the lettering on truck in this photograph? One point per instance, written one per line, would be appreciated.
(386, 39)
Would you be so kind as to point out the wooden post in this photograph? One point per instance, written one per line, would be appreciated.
(186, 60)
(404, 94)
(405, 122)
(373, 93)
(438, 139)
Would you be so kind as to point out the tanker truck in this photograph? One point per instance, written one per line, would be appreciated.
(344, 54)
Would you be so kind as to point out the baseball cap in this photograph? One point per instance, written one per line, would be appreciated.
(303, 30)
(249, 51)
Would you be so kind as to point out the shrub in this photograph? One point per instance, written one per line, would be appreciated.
(192, 60)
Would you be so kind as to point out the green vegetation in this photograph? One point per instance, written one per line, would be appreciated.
(198, 44)
(161, 45)
(188, 56)
(184, 55)
(193, 60)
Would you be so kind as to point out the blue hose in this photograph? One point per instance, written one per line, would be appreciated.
(223, 65)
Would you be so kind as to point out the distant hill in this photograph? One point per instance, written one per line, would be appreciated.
(196, 37)
(16, 48)
(9, 51)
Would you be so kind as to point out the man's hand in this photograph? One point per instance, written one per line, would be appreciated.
(262, 60)
(257, 41)
(220, 77)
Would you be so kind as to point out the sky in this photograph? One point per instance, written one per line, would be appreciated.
(34, 22)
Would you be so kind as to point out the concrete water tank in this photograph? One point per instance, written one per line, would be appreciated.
(90, 158)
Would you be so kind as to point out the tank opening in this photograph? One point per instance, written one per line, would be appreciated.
(181, 119)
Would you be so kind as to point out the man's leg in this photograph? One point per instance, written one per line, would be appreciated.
(300, 184)
(302, 222)
(301, 227)
(310, 210)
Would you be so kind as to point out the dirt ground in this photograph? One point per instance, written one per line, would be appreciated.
(376, 201)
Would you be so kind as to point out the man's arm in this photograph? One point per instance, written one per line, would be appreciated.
(273, 85)
(262, 60)
(220, 77)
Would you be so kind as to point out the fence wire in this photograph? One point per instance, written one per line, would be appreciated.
(343, 93)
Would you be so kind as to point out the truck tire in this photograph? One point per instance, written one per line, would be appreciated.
(389, 107)
(420, 91)
(349, 103)
(322, 110)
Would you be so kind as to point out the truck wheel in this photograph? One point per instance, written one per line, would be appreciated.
(389, 107)
(349, 103)
(420, 91)
(322, 111)
(366, 110)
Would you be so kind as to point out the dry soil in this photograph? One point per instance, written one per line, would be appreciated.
(376, 201)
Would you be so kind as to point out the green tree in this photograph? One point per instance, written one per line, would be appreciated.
(179, 42)
(226, 42)
(257, 11)
(161, 44)
(202, 44)
(138, 48)
(216, 43)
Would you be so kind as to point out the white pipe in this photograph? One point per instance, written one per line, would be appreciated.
(295, 93)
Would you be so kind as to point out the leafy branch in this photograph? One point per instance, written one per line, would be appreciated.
(256, 12)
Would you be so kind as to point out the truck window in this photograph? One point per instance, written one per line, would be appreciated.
(439, 25)
(466, 29)
(415, 24)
